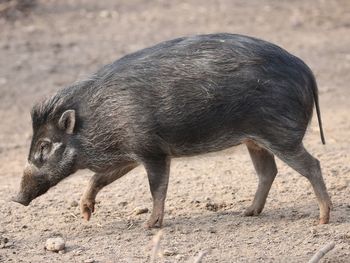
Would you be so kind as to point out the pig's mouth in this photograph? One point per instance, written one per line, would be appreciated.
(21, 200)
(24, 198)
(31, 189)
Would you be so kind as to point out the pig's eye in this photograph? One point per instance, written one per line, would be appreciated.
(44, 145)
(44, 149)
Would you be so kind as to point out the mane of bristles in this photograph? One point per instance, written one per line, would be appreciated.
(51, 108)
(45, 111)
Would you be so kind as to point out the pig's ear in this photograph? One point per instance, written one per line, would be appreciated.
(67, 121)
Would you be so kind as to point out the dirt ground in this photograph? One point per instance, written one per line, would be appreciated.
(61, 41)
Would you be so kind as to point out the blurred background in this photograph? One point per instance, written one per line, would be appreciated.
(48, 44)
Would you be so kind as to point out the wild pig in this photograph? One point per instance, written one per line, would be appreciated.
(182, 97)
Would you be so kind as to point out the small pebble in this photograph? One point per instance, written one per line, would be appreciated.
(213, 206)
(140, 210)
(212, 230)
(90, 260)
(74, 203)
(123, 203)
(3, 242)
(313, 231)
(55, 244)
(78, 252)
(148, 233)
(179, 258)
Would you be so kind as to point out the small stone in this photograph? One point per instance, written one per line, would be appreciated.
(313, 231)
(168, 253)
(3, 242)
(77, 252)
(90, 260)
(55, 244)
(74, 203)
(212, 230)
(184, 231)
(212, 206)
(123, 203)
(149, 233)
(140, 210)
(180, 258)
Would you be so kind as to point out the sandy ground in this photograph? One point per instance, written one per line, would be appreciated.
(62, 41)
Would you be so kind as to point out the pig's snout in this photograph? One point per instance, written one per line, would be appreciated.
(21, 199)
(32, 184)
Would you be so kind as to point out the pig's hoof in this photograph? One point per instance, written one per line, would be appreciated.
(154, 222)
(251, 211)
(87, 208)
(324, 220)
(325, 214)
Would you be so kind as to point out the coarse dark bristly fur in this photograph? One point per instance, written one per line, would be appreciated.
(183, 97)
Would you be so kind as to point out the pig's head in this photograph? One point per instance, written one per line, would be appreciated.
(52, 155)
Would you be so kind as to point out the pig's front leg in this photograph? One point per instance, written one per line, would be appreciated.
(97, 182)
(158, 177)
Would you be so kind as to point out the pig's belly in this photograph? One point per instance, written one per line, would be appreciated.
(190, 148)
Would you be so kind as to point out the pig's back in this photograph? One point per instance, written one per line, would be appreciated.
(209, 92)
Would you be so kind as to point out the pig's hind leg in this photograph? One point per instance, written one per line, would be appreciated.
(158, 177)
(265, 167)
(97, 182)
(305, 164)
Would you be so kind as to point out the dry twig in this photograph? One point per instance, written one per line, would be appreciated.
(73, 215)
(156, 245)
(323, 251)
(200, 256)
